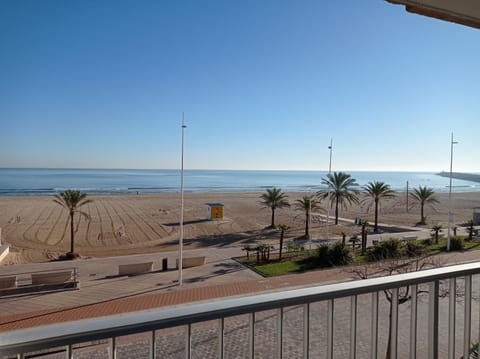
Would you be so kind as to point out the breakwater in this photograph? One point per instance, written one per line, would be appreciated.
(472, 177)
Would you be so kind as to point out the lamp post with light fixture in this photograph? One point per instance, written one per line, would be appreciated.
(329, 172)
(180, 259)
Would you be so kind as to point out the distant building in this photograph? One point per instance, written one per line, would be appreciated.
(214, 211)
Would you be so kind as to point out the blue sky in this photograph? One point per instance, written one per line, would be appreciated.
(263, 84)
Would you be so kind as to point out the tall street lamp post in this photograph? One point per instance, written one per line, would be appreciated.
(450, 215)
(180, 259)
(329, 172)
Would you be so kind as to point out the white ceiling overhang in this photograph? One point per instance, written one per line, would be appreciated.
(465, 12)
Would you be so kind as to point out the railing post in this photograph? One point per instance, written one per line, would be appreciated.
(251, 335)
(153, 345)
(413, 322)
(374, 328)
(306, 330)
(69, 352)
(188, 342)
(113, 349)
(433, 320)
(467, 316)
(330, 315)
(452, 297)
(221, 338)
(280, 333)
(353, 326)
(394, 324)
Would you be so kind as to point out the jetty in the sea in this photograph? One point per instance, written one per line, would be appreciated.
(473, 177)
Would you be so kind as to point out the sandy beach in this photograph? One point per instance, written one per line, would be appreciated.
(37, 228)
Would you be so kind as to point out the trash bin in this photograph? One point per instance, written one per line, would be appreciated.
(164, 264)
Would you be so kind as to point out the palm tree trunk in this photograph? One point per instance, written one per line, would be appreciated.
(336, 211)
(375, 228)
(71, 232)
(307, 232)
(421, 213)
(273, 218)
(281, 245)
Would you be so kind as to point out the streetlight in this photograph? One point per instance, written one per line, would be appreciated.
(452, 142)
(180, 260)
(329, 172)
(309, 218)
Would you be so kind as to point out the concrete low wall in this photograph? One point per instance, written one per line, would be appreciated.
(51, 278)
(135, 268)
(4, 250)
(192, 262)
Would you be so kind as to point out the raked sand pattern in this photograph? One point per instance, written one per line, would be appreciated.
(38, 230)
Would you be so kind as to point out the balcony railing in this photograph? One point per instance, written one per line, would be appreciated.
(345, 320)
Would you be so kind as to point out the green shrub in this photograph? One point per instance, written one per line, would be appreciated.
(413, 249)
(427, 241)
(456, 244)
(333, 255)
(387, 249)
(339, 254)
(323, 255)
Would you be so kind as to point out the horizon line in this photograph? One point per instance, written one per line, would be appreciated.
(226, 169)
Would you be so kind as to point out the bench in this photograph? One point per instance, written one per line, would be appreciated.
(192, 262)
(26, 283)
(8, 282)
(410, 238)
(135, 268)
(52, 277)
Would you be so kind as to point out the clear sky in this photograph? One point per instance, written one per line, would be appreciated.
(264, 84)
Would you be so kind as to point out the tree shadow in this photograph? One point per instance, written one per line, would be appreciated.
(224, 268)
(194, 221)
(225, 240)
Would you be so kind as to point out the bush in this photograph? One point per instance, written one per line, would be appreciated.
(339, 254)
(385, 250)
(456, 244)
(334, 255)
(413, 249)
(323, 255)
(427, 241)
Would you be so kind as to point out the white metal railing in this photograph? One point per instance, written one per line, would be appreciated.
(110, 328)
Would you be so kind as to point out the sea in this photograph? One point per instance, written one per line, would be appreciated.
(47, 181)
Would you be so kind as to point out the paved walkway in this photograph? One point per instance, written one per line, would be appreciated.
(102, 295)
(99, 280)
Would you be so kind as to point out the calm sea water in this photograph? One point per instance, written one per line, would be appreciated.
(108, 181)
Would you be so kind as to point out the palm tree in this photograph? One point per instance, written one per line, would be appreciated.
(470, 225)
(72, 200)
(339, 190)
(307, 204)
(274, 198)
(436, 229)
(377, 191)
(282, 228)
(423, 195)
